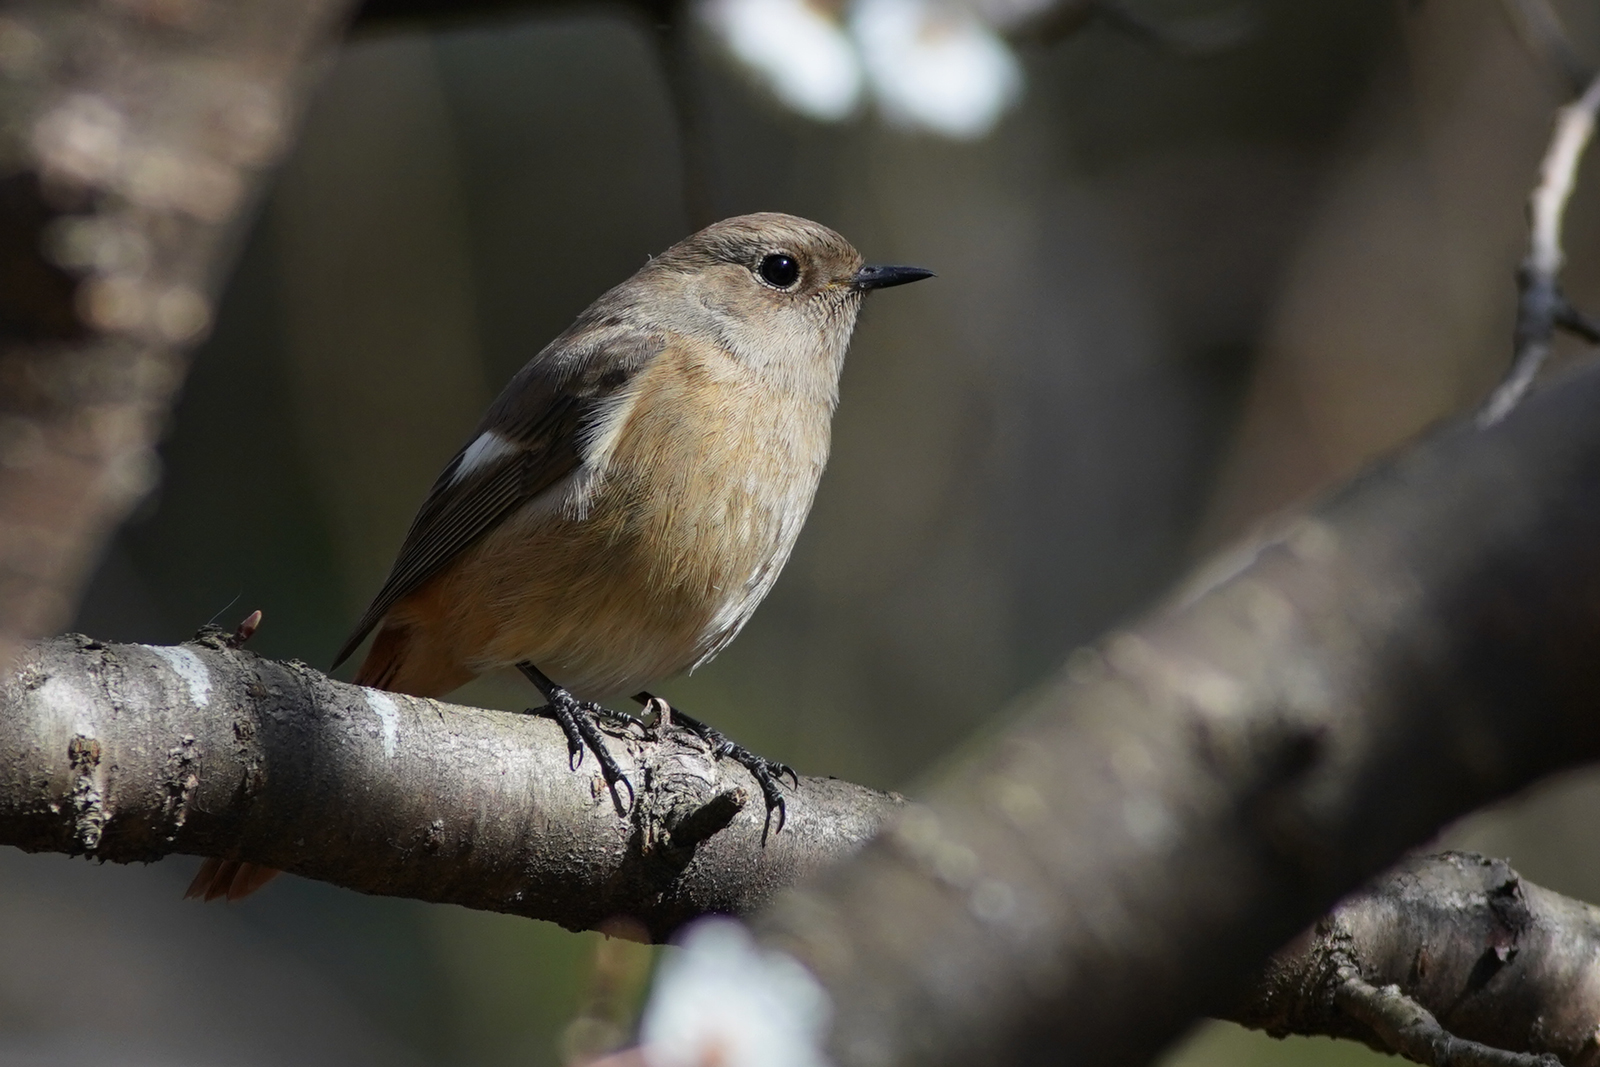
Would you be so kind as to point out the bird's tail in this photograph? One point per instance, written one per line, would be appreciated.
(384, 659)
(233, 879)
(397, 661)
(411, 658)
(237, 879)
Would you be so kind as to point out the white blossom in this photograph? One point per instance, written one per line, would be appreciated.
(935, 66)
(726, 1001)
(801, 53)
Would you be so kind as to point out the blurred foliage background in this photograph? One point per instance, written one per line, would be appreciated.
(1175, 294)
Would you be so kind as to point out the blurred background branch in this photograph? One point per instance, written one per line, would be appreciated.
(1541, 29)
(1195, 789)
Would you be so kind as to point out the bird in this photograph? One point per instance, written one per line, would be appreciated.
(632, 494)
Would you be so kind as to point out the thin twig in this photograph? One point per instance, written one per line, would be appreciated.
(1411, 1030)
(1542, 307)
(245, 630)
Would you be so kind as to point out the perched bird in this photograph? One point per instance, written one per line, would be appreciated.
(633, 492)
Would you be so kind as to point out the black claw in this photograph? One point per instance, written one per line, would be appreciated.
(615, 717)
(772, 795)
(767, 773)
(564, 718)
(577, 719)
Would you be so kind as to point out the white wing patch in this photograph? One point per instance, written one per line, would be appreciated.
(598, 441)
(605, 427)
(489, 447)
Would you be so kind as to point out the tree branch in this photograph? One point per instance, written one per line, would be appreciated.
(1447, 959)
(133, 752)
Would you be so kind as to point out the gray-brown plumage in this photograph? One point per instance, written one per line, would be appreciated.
(634, 491)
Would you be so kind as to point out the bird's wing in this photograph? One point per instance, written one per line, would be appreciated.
(533, 436)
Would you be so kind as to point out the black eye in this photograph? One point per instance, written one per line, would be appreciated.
(780, 270)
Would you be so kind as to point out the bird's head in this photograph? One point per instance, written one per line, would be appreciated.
(778, 292)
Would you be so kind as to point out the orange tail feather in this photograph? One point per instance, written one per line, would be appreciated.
(403, 660)
(233, 879)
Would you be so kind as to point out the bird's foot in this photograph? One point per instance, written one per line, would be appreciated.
(580, 722)
(767, 773)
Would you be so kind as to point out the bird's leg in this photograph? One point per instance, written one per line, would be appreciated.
(577, 719)
(767, 773)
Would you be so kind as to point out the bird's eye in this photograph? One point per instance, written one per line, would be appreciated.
(779, 270)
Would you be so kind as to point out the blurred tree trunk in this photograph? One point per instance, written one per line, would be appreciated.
(137, 136)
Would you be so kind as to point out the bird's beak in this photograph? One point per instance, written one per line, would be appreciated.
(883, 277)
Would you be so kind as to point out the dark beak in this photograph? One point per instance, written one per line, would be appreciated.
(883, 277)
